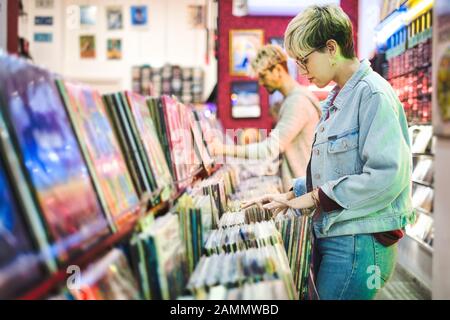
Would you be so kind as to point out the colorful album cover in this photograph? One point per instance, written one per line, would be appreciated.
(146, 127)
(133, 135)
(180, 141)
(86, 109)
(52, 158)
(20, 267)
(200, 145)
(132, 150)
(109, 278)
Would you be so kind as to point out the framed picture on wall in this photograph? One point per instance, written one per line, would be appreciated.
(114, 18)
(197, 16)
(114, 49)
(245, 100)
(139, 15)
(87, 47)
(44, 4)
(244, 45)
(88, 15)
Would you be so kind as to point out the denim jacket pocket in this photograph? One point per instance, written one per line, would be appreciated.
(343, 152)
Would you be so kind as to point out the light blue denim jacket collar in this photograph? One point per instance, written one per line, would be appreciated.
(344, 93)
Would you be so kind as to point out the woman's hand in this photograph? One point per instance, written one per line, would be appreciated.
(304, 202)
(267, 199)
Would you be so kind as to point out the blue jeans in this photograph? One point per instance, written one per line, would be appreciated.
(352, 267)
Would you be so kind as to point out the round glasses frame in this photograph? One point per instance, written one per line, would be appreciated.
(301, 63)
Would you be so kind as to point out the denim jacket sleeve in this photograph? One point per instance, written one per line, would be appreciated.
(386, 157)
(300, 186)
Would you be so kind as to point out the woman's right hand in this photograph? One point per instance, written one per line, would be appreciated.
(260, 201)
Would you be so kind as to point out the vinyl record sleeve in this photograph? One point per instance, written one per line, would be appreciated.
(51, 158)
(87, 112)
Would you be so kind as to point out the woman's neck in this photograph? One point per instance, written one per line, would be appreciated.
(345, 71)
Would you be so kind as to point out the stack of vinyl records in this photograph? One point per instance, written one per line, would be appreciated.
(254, 265)
(49, 167)
(258, 186)
(140, 144)
(191, 223)
(104, 157)
(187, 84)
(109, 278)
(295, 230)
(174, 131)
(242, 237)
(220, 186)
(265, 290)
(159, 259)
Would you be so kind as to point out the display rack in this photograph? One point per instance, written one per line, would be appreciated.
(407, 26)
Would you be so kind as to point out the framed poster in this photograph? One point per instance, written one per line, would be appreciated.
(139, 15)
(43, 37)
(44, 4)
(197, 16)
(114, 18)
(87, 47)
(114, 49)
(88, 15)
(245, 100)
(441, 69)
(43, 21)
(244, 45)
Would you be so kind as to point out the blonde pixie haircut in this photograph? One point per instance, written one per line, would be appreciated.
(269, 56)
(316, 25)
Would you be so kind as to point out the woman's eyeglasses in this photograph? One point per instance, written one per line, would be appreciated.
(301, 63)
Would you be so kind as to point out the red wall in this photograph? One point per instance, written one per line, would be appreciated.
(13, 26)
(273, 27)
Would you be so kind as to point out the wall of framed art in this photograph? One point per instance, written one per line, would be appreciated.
(229, 72)
(99, 41)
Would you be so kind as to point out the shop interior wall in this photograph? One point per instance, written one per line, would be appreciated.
(167, 39)
(273, 27)
(3, 25)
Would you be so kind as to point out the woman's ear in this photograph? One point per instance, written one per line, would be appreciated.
(332, 47)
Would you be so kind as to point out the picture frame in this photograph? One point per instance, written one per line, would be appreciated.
(43, 21)
(114, 18)
(114, 49)
(244, 45)
(139, 15)
(88, 15)
(197, 16)
(43, 37)
(87, 47)
(44, 4)
(245, 100)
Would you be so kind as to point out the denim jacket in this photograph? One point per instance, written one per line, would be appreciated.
(361, 159)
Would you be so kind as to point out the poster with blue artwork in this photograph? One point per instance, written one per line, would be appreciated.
(43, 37)
(43, 21)
(139, 15)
